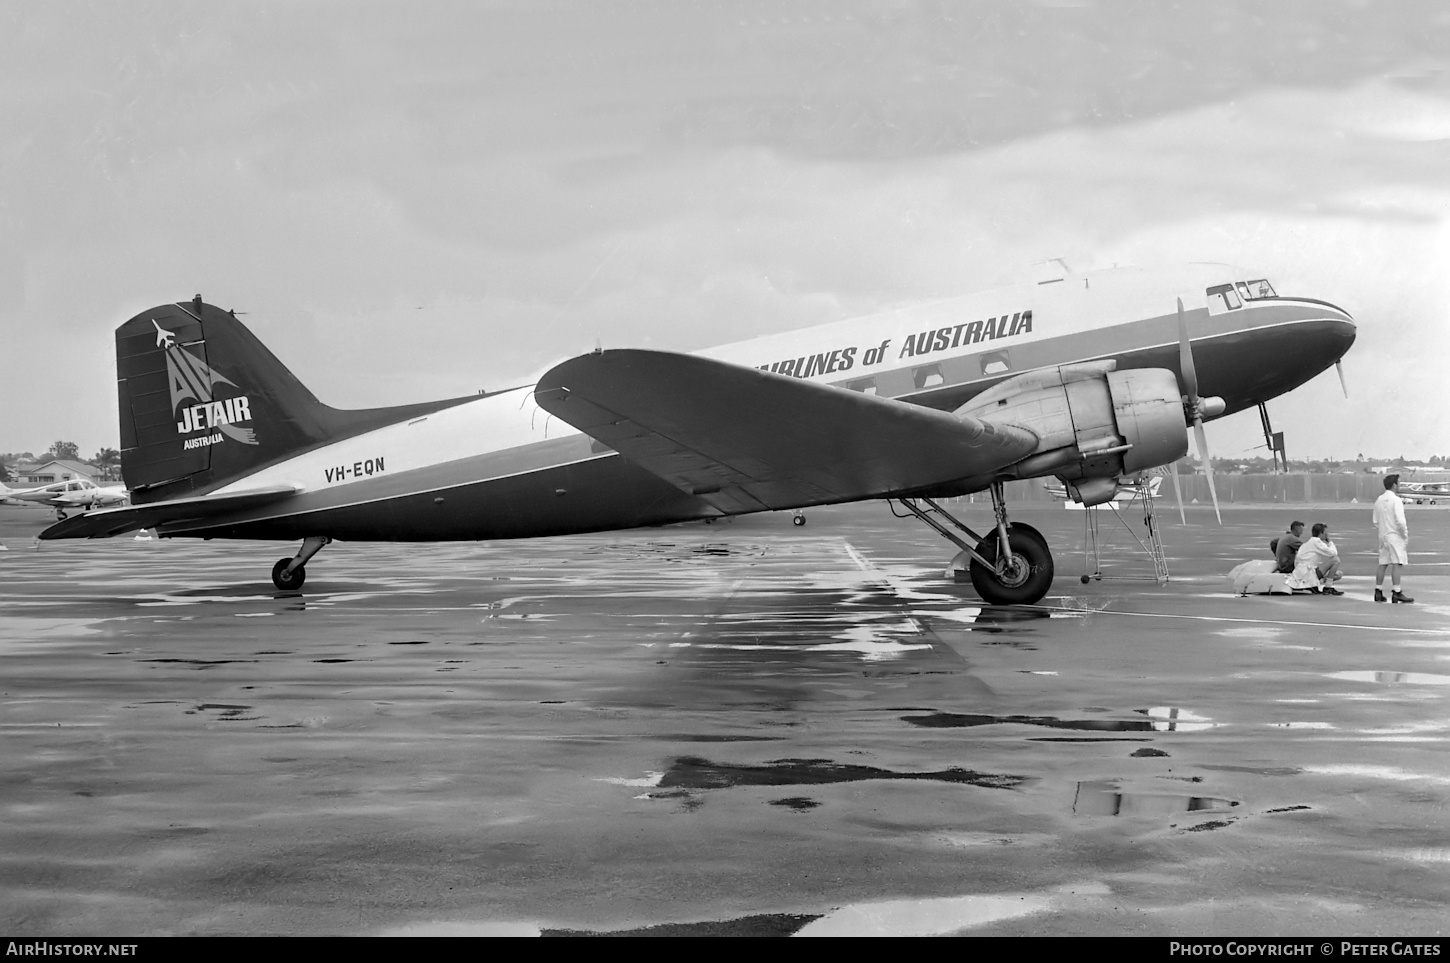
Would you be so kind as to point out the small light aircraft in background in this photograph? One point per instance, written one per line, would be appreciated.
(1086, 377)
(1425, 493)
(62, 495)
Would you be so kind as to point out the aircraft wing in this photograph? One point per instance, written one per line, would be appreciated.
(746, 440)
(106, 522)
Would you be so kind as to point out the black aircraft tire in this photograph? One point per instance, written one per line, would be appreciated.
(1032, 581)
(1022, 528)
(798, 520)
(287, 582)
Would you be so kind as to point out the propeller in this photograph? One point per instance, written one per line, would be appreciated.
(1339, 367)
(1197, 406)
(1178, 493)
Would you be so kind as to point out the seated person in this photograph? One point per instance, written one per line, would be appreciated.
(1317, 563)
(1286, 547)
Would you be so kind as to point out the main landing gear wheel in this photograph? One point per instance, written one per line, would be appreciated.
(283, 580)
(798, 519)
(1027, 575)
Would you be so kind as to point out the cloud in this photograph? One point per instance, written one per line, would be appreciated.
(426, 207)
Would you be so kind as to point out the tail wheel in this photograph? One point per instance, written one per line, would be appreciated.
(798, 520)
(286, 582)
(1025, 578)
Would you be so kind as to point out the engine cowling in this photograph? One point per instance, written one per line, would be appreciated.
(1092, 421)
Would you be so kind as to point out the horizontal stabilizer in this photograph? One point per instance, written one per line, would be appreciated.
(745, 440)
(113, 521)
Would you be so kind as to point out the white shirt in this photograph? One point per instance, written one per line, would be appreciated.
(1318, 552)
(1389, 515)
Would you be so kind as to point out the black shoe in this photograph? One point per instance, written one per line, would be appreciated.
(1331, 590)
(1400, 597)
(1379, 596)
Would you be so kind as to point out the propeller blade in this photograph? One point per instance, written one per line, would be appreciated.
(1338, 366)
(1185, 358)
(1202, 440)
(1178, 493)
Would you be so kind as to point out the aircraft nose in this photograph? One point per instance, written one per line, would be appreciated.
(1332, 331)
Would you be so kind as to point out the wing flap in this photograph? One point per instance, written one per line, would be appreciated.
(113, 521)
(746, 440)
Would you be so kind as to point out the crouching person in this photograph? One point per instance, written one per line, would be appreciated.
(1316, 564)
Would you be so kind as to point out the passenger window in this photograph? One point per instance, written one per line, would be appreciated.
(928, 377)
(996, 362)
(867, 386)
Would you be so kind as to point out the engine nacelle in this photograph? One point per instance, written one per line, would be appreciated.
(1091, 420)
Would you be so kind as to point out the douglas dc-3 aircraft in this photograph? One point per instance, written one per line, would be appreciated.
(62, 495)
(1087, 377)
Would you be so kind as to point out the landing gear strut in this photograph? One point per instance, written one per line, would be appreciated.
(289, 573)
(1011, 566)
(1273, 440)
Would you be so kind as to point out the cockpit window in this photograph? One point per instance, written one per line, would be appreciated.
(1259, 289)
(1222, 297)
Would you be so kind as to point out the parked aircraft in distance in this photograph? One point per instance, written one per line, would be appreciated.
(63, 495)
(1088, 377)
(1127, 490)
(1425, 493)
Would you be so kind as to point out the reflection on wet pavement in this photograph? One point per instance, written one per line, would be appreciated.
(693, 772)
(1161, 719)
(1411, 678)
(953, 720)
(1096, 798)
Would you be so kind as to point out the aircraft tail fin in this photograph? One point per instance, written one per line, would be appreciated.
(203, 402)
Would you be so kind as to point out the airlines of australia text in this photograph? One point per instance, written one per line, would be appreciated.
(915, 345)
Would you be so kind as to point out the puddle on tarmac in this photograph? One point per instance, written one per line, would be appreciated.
(226, 712)
(693, 772)
(1160, 719)
(1008, 618)
(953, 720)
(19, 634)
(1107, 799)
(925, 917)
(200, 663)
(1171, 719)
(764, 924)
(713, 737)
(1412, 678)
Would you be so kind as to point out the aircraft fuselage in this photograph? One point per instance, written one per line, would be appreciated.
(501, 467)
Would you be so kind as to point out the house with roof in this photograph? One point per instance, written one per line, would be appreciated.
(55, 470)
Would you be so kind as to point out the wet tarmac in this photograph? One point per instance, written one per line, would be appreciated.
(738, 728)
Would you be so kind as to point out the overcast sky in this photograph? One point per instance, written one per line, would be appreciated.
(420, 200)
